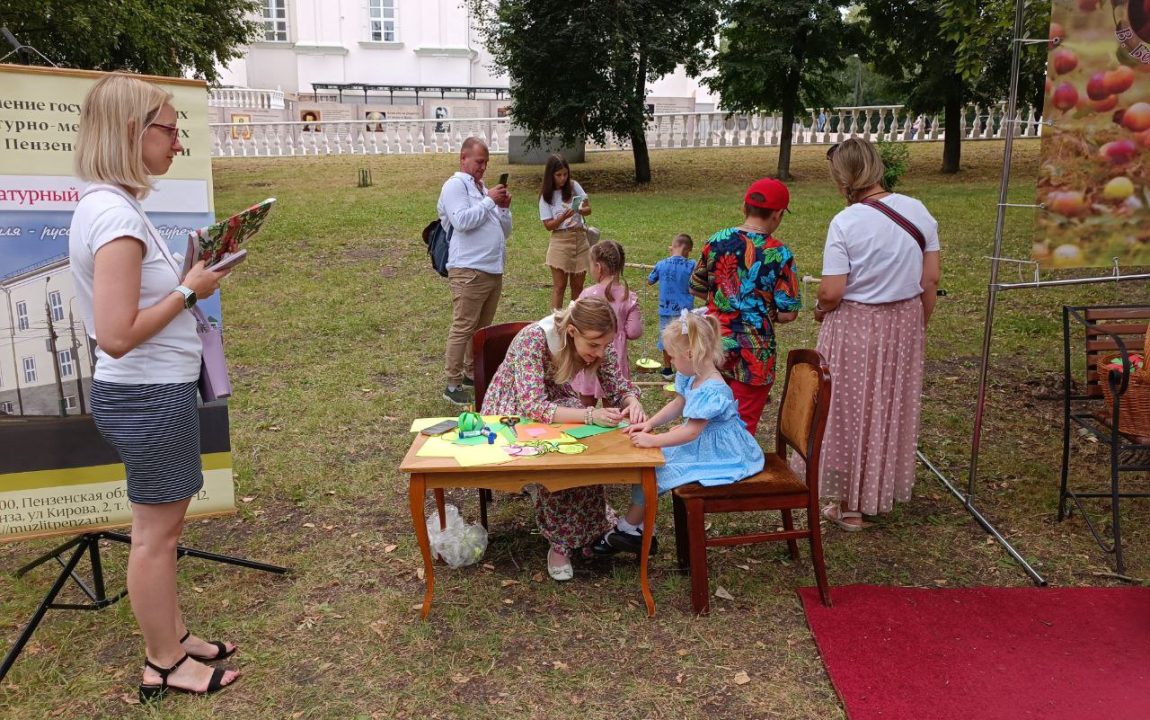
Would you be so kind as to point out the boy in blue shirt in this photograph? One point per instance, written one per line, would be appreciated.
(673, 274)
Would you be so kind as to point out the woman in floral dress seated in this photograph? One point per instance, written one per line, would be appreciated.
(534, 382)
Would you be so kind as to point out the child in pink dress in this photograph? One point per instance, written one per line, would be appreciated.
(607, 263)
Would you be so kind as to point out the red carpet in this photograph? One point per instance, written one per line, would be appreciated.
(986, 653)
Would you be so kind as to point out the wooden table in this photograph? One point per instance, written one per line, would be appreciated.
(610, 459)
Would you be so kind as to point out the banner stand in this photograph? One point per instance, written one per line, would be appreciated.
(89, 543)
(993, 288)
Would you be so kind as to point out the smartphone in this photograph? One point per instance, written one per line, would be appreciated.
(440, 427)
(503, 179)
(230, 261)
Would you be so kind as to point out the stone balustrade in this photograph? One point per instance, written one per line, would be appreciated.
(246, 98)
(666, 131)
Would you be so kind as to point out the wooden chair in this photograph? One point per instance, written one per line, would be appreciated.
(802, 421)
(1105, 331)
(488, 348)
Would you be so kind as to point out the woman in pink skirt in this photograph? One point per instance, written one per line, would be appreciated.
(880, 274)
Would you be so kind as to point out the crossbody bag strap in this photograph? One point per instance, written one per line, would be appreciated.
(898, 219)
(154, 236)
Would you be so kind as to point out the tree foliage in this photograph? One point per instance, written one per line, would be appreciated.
(157, 37)
(944, 54)
(983, 31)
(781, 56)
(581, 72)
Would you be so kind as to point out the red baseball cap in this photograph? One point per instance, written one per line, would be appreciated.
(768, 194)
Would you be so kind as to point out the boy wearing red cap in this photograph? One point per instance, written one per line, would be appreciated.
(750, 283)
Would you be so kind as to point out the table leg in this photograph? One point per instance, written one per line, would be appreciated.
(650, 501)
(439, 505)
(417, 491)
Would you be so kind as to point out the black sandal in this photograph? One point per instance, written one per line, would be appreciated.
(223, 653)
(150, 692)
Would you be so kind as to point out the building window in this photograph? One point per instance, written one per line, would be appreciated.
(57, 304)
(29, 369)
(69, 402)
(382, 16)
(275, 21)
(67, 367)
(6, 408)
(21, 315)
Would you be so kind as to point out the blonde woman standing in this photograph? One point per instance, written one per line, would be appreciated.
(534, 382)
(135, 306)
(880, 274)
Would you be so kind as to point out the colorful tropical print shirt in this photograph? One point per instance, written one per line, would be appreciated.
(745, 277)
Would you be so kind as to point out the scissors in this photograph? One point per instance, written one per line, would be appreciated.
(511, 421)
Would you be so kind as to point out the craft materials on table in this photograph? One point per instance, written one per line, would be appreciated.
(494, 439)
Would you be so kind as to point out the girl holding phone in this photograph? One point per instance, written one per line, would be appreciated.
(562, 206)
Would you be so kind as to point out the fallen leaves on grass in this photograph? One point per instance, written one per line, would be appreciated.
(741, 678)
(721, 592)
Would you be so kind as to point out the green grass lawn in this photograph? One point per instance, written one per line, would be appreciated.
(336, 326)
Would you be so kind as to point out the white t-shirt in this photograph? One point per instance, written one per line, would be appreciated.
(557, 207)
(171, 355)
(882, 262)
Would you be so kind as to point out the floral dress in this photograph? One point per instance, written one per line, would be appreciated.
(723, 453)
(524, 385)
(746, 276)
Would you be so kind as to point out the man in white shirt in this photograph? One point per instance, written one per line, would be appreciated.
(481, 222)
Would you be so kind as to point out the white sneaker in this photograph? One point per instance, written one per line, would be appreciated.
(560, 573)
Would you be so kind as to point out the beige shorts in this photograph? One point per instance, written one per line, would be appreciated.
(568, 251)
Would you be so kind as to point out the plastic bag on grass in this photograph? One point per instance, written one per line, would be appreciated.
(460, 543)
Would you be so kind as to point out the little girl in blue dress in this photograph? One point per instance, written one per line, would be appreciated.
(711, 446)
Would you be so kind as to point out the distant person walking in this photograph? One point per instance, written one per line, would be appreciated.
(480, 219)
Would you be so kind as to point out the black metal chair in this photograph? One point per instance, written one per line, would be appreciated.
(1105, 330)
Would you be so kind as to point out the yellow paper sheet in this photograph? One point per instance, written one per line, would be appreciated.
(471, 455)
(437, 447)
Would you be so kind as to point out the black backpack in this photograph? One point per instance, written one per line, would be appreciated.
(438, 242)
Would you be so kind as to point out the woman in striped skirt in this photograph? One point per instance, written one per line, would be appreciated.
(135, 305)
(880, 273)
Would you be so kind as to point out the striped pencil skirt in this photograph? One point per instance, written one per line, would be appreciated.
(156, 431)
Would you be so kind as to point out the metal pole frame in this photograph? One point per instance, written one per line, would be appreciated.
(993, 288)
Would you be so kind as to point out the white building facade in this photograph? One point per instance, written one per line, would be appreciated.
(46, 358)
(402, 43)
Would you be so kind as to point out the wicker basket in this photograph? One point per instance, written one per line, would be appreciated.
(1134, 412)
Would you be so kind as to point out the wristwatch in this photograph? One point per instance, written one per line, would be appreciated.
(189, 295)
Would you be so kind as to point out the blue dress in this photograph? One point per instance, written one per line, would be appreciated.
(723, 453)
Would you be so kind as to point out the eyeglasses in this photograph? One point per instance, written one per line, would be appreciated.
(831, 150)
(172, 131)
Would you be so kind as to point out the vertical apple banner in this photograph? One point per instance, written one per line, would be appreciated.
(1094, 178)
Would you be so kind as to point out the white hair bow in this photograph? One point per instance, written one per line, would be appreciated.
(683, 313)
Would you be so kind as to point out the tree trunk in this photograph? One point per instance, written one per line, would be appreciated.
(642, 158)
(784, 170)
(952, 143)
(638, 129)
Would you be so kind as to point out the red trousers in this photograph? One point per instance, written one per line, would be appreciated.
(751, 399)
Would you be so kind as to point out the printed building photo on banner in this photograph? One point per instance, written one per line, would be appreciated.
(1094, 177)
(52, 455)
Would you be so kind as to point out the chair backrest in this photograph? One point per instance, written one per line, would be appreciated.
(1104, 326)
(804, 407)
(489, 347)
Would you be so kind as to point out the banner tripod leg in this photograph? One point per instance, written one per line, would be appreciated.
(96, 592)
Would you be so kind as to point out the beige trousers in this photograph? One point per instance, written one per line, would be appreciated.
(474, 298)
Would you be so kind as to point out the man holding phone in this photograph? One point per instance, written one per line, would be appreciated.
(480, 221)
